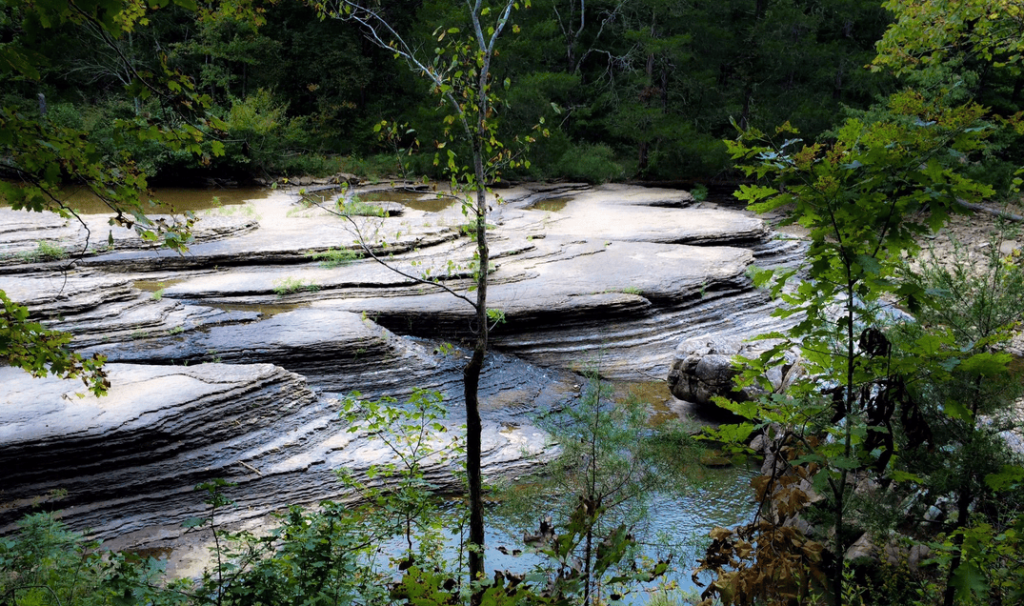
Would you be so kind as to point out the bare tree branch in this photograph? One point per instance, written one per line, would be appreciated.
(368, 250)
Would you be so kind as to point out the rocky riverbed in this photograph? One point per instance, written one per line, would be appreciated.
(227, 361)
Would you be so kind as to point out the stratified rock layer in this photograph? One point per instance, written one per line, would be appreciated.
(131, 460)
(228, 360)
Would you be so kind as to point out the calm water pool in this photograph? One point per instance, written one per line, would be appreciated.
(178, 199)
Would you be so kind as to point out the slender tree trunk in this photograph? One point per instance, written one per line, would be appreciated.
(590, 504)
(472, 372)
(837, 83)
(838, 492)
(664, 90)
(588, 551)
(643, 148)
(760, 6)
(474, 123)
(962, 506)
(748, 94)
(471, 376)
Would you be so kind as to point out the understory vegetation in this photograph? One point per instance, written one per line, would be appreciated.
(400, 540)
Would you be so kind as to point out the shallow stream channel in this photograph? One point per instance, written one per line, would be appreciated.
(670, 523)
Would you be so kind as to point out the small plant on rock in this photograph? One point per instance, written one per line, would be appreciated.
(354, 207)
(336, 257)
(288, 286)
(45, 251)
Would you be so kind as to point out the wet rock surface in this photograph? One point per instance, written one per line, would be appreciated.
(228, 363)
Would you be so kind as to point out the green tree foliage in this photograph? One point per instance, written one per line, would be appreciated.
(30, 346)
(864, 199)
(974, 306)
(889, 397)
(400, 500)
(964, 51)
(37, 153)
(630, 87)
(657, 81)
(40, 153)
(45, 564)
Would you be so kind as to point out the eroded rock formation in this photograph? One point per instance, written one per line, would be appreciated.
(130, 460)
(229, 364)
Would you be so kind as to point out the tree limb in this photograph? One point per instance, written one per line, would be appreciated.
(1002, 214)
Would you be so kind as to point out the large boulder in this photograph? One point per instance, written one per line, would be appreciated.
(704, 367)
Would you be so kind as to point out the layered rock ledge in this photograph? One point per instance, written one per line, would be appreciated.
(131, 460)
(228, 357)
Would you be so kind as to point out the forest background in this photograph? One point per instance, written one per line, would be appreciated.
(625, 89)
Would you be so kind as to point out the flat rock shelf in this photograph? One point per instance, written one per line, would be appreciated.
(228, 361)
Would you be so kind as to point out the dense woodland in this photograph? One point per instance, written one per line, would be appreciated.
(867, 124)
(627, 89)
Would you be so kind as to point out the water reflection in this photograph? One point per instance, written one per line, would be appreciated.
(677, 527)
(266, 310)
(676, 521)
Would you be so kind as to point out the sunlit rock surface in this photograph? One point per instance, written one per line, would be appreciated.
(228, 356)
(130, 460)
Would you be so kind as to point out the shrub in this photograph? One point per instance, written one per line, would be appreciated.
(45, 564)
(590, 163)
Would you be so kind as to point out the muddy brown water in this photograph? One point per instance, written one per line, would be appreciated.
(551, 205)
(425, 202)
(171, 200)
